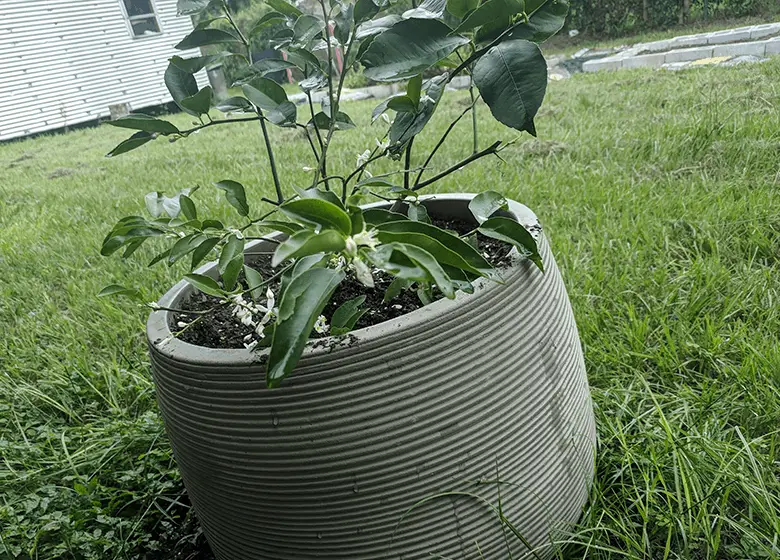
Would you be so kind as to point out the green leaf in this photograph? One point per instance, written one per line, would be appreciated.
(138, 121)
(117, 290)
(418, 213)
(459, 8)
(265, 93)
(402, 104)
(159, 257)
(306, 242)
(205, 284)
(314, 192)
(254, 281)
(181, 85)
(379, 216)
(322, 121)
(489, 12)
(443, 245)
(232, 270)
(235, 195)
(195, 64)
(135, 141)
(205, 37)
(512, 79)
(396, 287)
(427, 261)
(430, 9)
(358, 223)
(284, 8)
(235, 105)
(307, 28)
(305, 60)
(203, 250)
(302, 302)
(376, 26)
(312, 211)
(190, 7)
(407, 125)
(510, 231)
(233, 248)
(184, 246)
(284, 114)
(343, 21)
(212, 224)
(199, 103)
(188, 207)
(121, 236)
(408, 48)
(270, 65)
(347, 315)
(414, 89)
(544, 22)
(364, 10)
(268, 19)
(313, 83)
(487, 203)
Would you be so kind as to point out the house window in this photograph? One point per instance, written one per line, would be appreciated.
(142, 18)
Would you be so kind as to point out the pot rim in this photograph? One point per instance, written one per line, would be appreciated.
(163, 342)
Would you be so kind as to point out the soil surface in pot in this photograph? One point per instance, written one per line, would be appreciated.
(218, 328)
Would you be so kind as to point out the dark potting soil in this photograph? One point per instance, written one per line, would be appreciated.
(220, 329)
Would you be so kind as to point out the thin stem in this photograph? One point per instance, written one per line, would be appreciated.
(241, 36)
(214, 123)
(322, 167)
(373, 157)
(311, 142)
(492, 149)
(271, 160)
(408, 162)
(473, 114)
(441, 141)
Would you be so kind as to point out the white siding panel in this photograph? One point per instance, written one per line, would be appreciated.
(63, 62)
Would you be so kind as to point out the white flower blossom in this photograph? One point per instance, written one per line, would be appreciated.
(351, 247)
(366, 239)
(251, 346)
(363, 158)
(386, 118)
(181, 324)
(427, 99)
(237, 232)
(153, 305)
(382, 145)
(248, 337)
(307, 169)
(321, 326)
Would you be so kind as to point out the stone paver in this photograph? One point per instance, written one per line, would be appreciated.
(728, 36)
(685, 55)
(740, 49)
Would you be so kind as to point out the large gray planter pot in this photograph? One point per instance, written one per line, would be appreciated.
(446, 399)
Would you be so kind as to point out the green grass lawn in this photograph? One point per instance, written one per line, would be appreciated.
(659, 192)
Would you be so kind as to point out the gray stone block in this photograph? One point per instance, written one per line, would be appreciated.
(765, 30)
(610, 63)
(740, 49)
(689, 41)
(685, 55)
(653, 60)
(657, 46)
(728, 36)
(772, 46)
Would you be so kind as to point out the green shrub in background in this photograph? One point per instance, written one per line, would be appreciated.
(621, 17)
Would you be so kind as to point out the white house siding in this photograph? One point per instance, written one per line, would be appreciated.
(63, 62)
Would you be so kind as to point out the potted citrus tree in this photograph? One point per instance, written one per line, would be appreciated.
(359, 370)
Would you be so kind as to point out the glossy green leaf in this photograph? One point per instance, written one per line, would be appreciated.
(485, 204)
(313, 211)
(233, 248)
(265, 93)
(205, 284)
(378, 216)
(322, 121)
(181, 85)
(489, 12)
(427, 261)
(510, 231)
(212, 224)
(285, 227)
(159, 257)
(344, 22)
(418, 213)
(397, 286)
(284, 8)
(254, 281)
(232, 270)
(138, 121)
(543, 22)
(414, 89)
(117, 290)
(269, 19)
(199, 103)
(305, 60)
(184, 246)
(429, 9)
(314, 192)
(188, 207)
(364, 10)
(235, 195)
(512, 79)
(402, 104)
(270, 65)
(195, 64)
(235, 105)
(347, 315)
(407, 125)
(204, 37)
(459, 8)
(284, 114)
(305, 243)
(135, 141)
(409, 48)
(203, 250)
(376, 26)
(446, 247)
(302, 302)
(307, 28)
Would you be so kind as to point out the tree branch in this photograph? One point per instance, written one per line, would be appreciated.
(473, 157)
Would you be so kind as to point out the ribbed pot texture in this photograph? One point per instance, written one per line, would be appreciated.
(456, 409)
